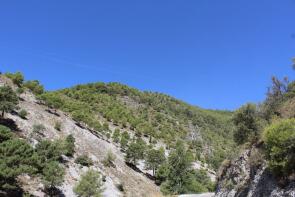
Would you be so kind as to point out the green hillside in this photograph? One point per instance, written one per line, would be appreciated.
(154, 115)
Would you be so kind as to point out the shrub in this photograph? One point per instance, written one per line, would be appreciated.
(34, 86)
(280, 147)
(5, 134)
(49, 151)
(16, 157)
(69, 146)
(19, 90)
(84, 160)
(17, 78)
(23, 113)
(109, 159)
(116, 135)
(38, 128)
(90, 184)
(124, 139)
(52, 174)
(57, 126)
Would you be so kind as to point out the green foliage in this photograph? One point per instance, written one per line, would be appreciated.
(90, 184)
(8, 99)
(38, 128)
(152, 114)
(135, 151)
(69, 146)
(17, 78)
(19, 90)
(16, 157)
(84, 160)
(109, 159)
(116, 135)
(280, 146)
(180, 177)
(34, 86)
(105, 127)
(52, 174)
(162, 173)
(49, 151)
(5, 134)
(275, 97)
(202, 177)
(179, 165)
(155, 158)
(23, 113)
(246, 123)
(124, 139)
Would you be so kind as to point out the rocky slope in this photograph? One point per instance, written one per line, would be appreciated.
(248, 176)
(134, 183)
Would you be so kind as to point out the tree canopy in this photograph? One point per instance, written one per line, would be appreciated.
(8, 99)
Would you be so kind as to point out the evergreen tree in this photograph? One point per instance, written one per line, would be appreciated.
(90, 185)
(180, 172)
(155, 158)
(246, 123)
(16, 157)
(135, 151)
(52, 175)
(8, 100)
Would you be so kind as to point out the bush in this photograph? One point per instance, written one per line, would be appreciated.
(23, 113)
(17, 78)
(84, 160)
(34, 86)
(38, 128)
(5, 134)
(16, 157)
(52, 174)
(90, 184)
(49, 151)
(116, 135)
(69, 146)
(280, 147)
(109, 159)
(57, 126)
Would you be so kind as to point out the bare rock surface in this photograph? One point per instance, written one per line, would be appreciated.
(243, 179)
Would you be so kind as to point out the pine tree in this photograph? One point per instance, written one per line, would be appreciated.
(8, 100)
(90, 184)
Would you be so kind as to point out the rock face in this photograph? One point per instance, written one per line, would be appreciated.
(134, 183)
(248, 176)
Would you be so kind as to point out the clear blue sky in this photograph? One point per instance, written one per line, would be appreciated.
(210, 53)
